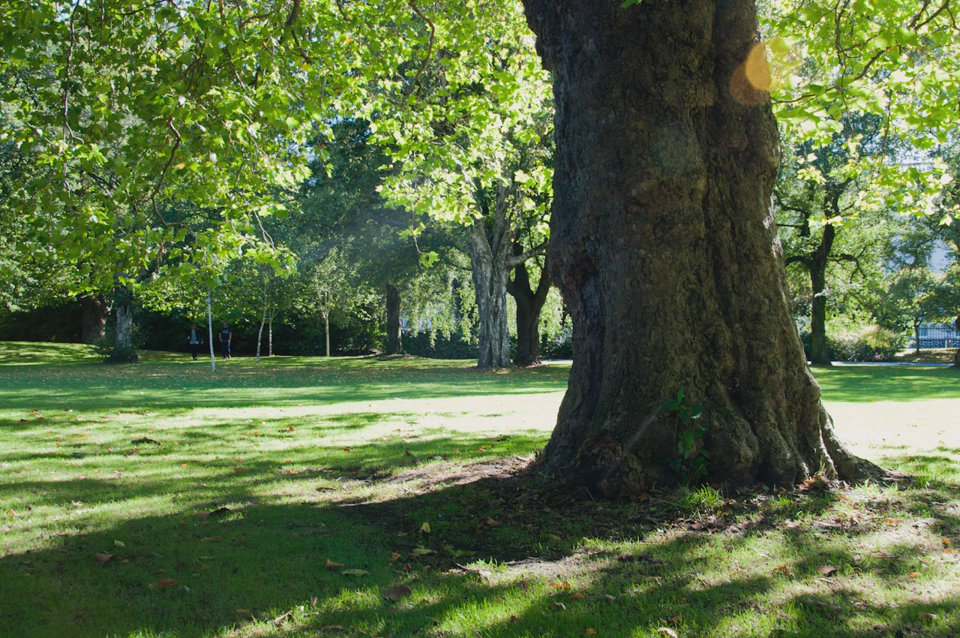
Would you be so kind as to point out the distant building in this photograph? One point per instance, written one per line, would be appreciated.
(936, 335)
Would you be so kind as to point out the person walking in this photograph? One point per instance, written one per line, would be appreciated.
(194, 341)
(225, 337)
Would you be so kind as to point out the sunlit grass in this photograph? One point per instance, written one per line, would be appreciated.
(308, 460)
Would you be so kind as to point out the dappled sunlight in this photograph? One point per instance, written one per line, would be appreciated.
(242, 497)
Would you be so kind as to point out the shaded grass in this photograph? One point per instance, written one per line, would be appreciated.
(345, 460)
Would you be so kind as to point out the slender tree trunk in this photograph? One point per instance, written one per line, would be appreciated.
(819, 349)
(393, 320)
(270, 334)
(124, 350)
(665, 249)
(529, 305)
(490, 275)
(326, 330)
(213, 355)
(93, 322)
(916, 335)
(263, 319)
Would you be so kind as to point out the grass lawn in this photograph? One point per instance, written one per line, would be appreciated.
(358, 497)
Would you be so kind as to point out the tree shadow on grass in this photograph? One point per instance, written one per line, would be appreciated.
(752, 565)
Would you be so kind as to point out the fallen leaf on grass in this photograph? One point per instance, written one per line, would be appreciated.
(102, 558)
(279, 620)
(290, 429)
(425, 528)
(211, 539)
(827, 570)
(332, 565)
(346, 449)
(394, 557)
(238, 469)
(422, 551)
(914, 574)
(609, 597)
(667, 631)
(590, 631)
(577, 596)
(564, 586)
(560, 605)
(398, 593)
(492, 522)
(119, 544)
(928, 616)
(355, 572)
(163, 583)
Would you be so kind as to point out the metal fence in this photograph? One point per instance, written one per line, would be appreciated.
(936, 335)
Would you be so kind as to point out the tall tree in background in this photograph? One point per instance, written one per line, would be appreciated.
(470, 140)
(825, 192)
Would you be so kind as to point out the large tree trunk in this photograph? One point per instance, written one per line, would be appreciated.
(93, 322)
(393, 319)
(819, 349)
(124, 350)
(665, 249)
(490, 271)
(529, 304)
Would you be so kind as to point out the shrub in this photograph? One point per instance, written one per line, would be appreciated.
(872, 343)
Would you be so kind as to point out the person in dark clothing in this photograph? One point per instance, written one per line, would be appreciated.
(194, 341)
(225, 337)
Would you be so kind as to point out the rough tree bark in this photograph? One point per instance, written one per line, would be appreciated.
(529, 304)
(393, 320)
(93, 321)
(665, 249)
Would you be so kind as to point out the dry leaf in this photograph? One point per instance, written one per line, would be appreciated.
(668, 632)
(609, 597)
(492, 522)
(332, 565)
(354, 572)
(102, 558)
(914, 574)
(346, 449)
(560, 605)
(928, 616)
(290, 429)
(577, 596)
(163, 583)
(590, 631)
(425, 528)
(203, 515)
(211, 539)
(398, 593)
(394, 557)
(827, 570)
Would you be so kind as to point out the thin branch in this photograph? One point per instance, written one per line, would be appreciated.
(433, 37)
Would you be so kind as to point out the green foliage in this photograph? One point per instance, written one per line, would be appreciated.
(691, 460)
(872, 343)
